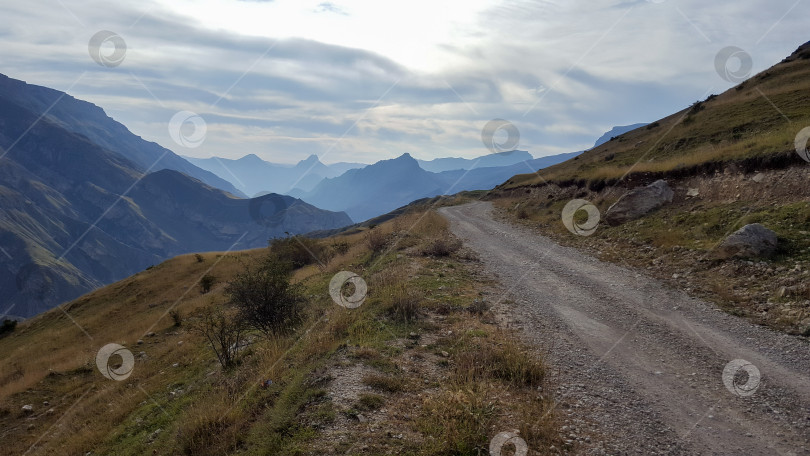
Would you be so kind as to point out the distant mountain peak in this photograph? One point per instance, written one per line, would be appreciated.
(311, 160)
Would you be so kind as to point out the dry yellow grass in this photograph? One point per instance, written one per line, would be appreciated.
(196, 407)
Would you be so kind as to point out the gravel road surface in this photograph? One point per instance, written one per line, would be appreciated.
(640, 367)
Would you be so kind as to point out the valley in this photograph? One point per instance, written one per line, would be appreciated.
(275, 228)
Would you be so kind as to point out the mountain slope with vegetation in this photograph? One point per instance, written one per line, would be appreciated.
(753, 124)
(76, 215)
(419, 368)
(730, 161)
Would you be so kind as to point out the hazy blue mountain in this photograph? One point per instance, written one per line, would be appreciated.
(90, 121)
(75, 215)
(617, 131)
(488, 178)
(376, 189)
(487, 161)
(388, 184)
(252, 175)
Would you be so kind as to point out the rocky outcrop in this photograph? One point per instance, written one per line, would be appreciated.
(752, 240)
(638, 202)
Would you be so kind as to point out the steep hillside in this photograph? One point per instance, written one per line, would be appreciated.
(730, 161)
(399, 374)
(90, 121)
(76, 215)
(753, 124)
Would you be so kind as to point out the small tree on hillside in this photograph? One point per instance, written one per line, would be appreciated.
(224, 332)
(266, 298)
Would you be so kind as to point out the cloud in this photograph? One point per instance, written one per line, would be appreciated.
(361, 81)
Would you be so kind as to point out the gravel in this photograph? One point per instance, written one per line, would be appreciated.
(639, 366)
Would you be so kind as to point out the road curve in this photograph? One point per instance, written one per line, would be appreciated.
(640, 366)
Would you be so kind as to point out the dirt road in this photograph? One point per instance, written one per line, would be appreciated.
(640, 367)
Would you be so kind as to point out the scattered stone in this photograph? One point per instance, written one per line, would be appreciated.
(28, 408)
(445, 354)
(139, 342)
(758, 177)
(150, 334)
(692, 192)
(362, 418)
(638, 202)
(50, 411)
(176, 365)
(752, 240)
(180, 343)
(46, 403)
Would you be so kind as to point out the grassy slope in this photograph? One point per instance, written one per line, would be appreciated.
(473, 375)
(759, 120)
(716, 147)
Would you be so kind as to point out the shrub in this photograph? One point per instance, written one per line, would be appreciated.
(224, 332)
(441, 247)
(266, 298)
(370, 402)
(341, 247)
(177, 318)
(376, 240)
(404, 303)
(7, 327)
(206, 282)
(299, 251)
(199, 258)
(385, 383)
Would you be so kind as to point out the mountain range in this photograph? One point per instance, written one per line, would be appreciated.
(499, 159)
(388, 184)
(78, 207)
(253, 176)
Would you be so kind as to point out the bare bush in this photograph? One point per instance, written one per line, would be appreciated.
(224, 331)
(376, 240)
(441, 247)
(266, 297)
(300, 251)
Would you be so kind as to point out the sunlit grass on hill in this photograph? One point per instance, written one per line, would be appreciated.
(179, 400)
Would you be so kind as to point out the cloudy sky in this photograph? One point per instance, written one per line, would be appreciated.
(364, 80)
